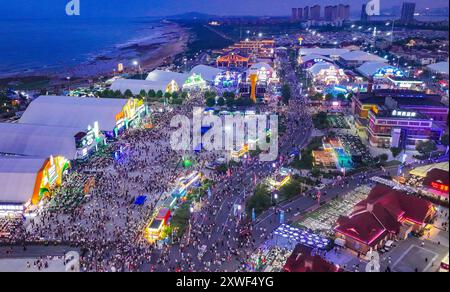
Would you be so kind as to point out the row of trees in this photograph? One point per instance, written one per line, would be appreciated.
(228, 98)
(153, 95)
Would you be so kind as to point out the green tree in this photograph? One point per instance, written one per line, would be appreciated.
(128, 93)
(341, 96)
(230, 101)
(260, 201)
(221, 101)
(151, 93)
(286, 93)
(291, 189)
(396, 151)
(210, 102)
(175, 95)
(167, 95)
(317, 96)
(184, 95)
(159, 94)
(117, 94)
(143, 93)
(426, 147)
(382, 158)
(444, 139)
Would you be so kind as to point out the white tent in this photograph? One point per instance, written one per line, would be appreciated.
(166, 77)
(439, 68)
(18, 177)
(135, 86)
(39, 141)
(323, 52)
(73, 112)
(319, 67)
(361, 56)
(208, 73)
(368, 69)
(319, 58)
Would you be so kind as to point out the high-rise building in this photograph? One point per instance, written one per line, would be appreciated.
(306, 13)
(315, 12)
(343, 12)
(331, 13)
(300, 13)
(408, 10)
(294, 15)
(364, 15)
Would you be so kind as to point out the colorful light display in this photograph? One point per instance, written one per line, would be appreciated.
(301, 236)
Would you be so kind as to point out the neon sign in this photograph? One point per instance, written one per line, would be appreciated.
(439, 186)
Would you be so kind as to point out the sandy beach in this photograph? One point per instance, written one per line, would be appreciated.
(150, 52)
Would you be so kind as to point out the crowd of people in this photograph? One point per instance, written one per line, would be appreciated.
(107, 227)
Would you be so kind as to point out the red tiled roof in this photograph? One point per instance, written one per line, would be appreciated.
(436, 175)
(302, 260)
(382, 213)
(363, 227)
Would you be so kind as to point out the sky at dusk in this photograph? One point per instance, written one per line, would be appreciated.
(105, 8)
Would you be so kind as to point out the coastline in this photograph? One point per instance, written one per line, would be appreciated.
(151, 52)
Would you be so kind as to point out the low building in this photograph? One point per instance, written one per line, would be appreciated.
(440, 68)
(324, 158)
(327, 73)
(173, 81)
(233, 60)
(207, 73)
(379, 70)
(112, 116)
(45, 141)
(399, 118)
(357, 58)
(333, 54)
(309, 60)
(24, 181)
(303, 260)
(437, 182)
(386, 214)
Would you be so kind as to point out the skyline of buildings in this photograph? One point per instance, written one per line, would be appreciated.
(330, 13)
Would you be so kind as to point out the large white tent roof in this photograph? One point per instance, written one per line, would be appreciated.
(323, 51)
(316, 68)
(73, 112)
(39, 141)
(362, 56)
(440, 67)
(18, 178)
(137, 85)
(208, 73)
(368, 69)
(166, 77)
(307, 58)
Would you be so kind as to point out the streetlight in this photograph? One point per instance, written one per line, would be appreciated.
(138, 67)
(68, 79)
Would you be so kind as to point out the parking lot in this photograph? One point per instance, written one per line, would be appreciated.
(414, 254)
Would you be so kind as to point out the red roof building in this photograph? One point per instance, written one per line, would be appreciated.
(438, 180)
(303, 260)
(385, 214)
